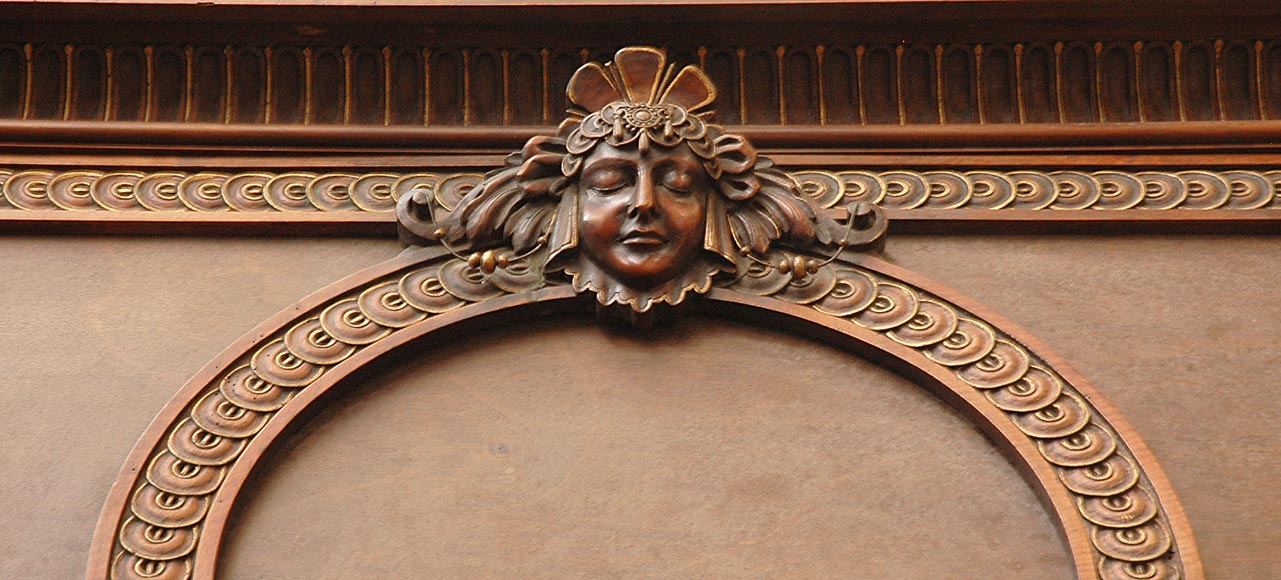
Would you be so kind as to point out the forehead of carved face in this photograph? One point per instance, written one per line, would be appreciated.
(642, 211)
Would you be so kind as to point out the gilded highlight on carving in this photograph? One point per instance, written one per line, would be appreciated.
(179, 193)
(1126, 523)
(641, 203)
(637, 198)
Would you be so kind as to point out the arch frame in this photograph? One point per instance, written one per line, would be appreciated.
(131, 539)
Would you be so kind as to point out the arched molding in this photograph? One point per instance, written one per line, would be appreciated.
(166, 513)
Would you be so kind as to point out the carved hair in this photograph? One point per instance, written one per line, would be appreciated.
(636, 101)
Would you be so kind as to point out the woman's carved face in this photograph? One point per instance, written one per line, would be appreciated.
(642, 212)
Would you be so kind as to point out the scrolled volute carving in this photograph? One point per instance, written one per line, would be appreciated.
(639, 199)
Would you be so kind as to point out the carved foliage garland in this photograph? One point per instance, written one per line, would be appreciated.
(1127, 522)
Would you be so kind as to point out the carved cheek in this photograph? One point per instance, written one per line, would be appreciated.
(600, 218)
(685, 215)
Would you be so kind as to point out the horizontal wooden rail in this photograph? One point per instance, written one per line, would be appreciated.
(1235, 134)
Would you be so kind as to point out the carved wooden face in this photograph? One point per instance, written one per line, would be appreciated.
(642, 212)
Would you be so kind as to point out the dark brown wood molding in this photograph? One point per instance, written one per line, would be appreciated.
(406, 82)
(167, 511)
(18, 136)
(134, 201)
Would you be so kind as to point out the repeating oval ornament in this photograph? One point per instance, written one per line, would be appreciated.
(29, 189)
(288, 191)
(406, 184)
(424, 291)
(1151, 570)
(1247, 190)
(1205, 190)
(1032, 190)
(893, 306)
(277, 365)
(904, 190)
(763, 279)
(173, 475)
(129, 190)
(117, 191)
(1118, 190)
(1111, 476)
(989, 189)
(344, 321)
(822, 188)
(375, 192)
(519, 276)
(162, 508)
(932, 323)
(1137, 544)
(1161, 190)
(127, 566)
(1129, 508)
(1007, 362)
(308, 340)
(809, 288)
(947, 189)
(159, 191)
(971, 341)
(5, 174)
(203, 191)
(155, 542)
(467, 282)
(73, 190)
(851, 293)
(1074, 190)
(1058, 421)
(384, 304)
(1065, 416)
(247, 191)
(1274, 184)
(1036, 389)
(332, 191)
(192, 444)
(450, 190)
(862, 186)
(1085, 447)
(245, 389)
(215, 414)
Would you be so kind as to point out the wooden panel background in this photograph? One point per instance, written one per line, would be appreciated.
(1176, 330)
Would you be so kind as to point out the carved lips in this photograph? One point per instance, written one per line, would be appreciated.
(642, 214)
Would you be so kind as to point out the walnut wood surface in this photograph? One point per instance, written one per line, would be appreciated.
(1100, 80)
(1042, 475)
(879, 86)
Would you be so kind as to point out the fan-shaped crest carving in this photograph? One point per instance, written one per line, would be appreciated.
(632, 112)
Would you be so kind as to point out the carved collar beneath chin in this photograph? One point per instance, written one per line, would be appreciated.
(585, 276)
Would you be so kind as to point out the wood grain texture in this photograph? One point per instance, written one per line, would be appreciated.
(922, 83)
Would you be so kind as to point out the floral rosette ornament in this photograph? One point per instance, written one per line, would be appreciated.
(637, 198)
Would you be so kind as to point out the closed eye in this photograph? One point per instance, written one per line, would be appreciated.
(678, 180)
(607, 180)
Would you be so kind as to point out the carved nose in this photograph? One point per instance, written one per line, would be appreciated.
(643, 198)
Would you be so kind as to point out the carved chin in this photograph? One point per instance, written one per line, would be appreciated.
(586, 276)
